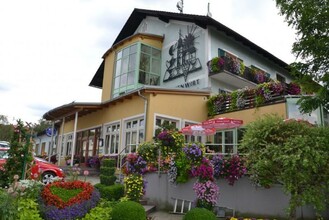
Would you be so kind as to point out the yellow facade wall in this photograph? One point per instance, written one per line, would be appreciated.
(188, 107)
(250, 115)
(109, 57)
(107, 77)
(114, 112)
(181, 106)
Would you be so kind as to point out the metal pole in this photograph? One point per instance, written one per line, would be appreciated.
(159, 162)
(74, 136)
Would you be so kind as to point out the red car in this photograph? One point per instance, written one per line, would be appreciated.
(41, 167)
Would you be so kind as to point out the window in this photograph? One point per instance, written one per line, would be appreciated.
(280, 78)
(192, 138)
(125, 69)
(69, 140)
(160, 121)
(134, 134)
(222, 91)
(223, 142)
(293, 112)
(112, 138)
(136, 65)
(62, 144)
(149, 65)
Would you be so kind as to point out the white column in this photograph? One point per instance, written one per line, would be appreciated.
(74, 136)
(60, 143)
(50, 148)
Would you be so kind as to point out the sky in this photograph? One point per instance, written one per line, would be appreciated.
(51, 49)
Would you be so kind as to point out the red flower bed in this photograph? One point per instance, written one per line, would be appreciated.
(51, 199)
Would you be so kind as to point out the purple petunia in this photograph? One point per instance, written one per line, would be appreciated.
(193, 153)
(71, 212)
(206, 192)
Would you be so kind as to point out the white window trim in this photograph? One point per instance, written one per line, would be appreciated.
(105, 133)
(179, 120)
(123, 130)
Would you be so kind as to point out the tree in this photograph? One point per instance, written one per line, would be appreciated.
(291, 153)
(20, 152)
(6, 129)
(4, 120)
(41, 126)
(6, 132)
(310, 18)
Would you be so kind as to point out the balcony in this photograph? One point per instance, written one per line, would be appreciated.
(232, 71)
(264, 94)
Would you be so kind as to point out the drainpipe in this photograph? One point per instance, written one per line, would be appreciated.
(145, 110)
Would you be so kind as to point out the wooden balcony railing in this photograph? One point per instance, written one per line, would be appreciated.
(263, 94)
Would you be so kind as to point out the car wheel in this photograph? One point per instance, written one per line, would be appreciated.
(47, 177)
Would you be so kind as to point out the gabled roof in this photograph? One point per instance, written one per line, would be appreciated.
(138, 15)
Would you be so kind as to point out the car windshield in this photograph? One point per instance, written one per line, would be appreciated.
(2, 144)
(41, 159)
(3, 154)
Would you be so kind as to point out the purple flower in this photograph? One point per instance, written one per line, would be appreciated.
(206, 192)
(193, 153)
(136, 164)
(204, 171)
(71, 212)
(217, 162)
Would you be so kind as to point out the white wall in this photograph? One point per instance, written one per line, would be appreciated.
(243, 196)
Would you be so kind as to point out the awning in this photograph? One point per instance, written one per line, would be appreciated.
(68, 110)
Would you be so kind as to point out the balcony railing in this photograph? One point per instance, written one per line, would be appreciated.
(263, 94)
(236, 67)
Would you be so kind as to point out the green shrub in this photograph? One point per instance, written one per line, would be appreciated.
(107, 171)
(32, 188)
(101, 212)
(108, 163)
(107, 180)
(199, 213)
(128, 210)
(4, 179)
(113, 192)
(28, 209)
(8, 206)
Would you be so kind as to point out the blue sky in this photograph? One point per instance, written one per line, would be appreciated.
(51, 49)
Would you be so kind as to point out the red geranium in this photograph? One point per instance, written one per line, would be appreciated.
(55, 200)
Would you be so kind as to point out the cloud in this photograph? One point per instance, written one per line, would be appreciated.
(50, 50)
(4, 88)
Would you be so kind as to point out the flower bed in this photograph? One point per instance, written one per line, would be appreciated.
(53, 207)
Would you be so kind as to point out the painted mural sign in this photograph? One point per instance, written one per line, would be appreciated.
(183, 60)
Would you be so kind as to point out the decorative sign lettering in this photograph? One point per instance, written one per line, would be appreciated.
(189, 84)
(183, 60)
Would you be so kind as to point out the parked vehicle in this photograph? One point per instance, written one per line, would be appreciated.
(40, 167)
(4, 144)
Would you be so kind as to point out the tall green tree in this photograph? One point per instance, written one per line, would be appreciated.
(41, 126)
(20, 152)
(6, 129)
(293, 154)
(310, 19)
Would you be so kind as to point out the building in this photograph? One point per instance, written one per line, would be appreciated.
(161, 68)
